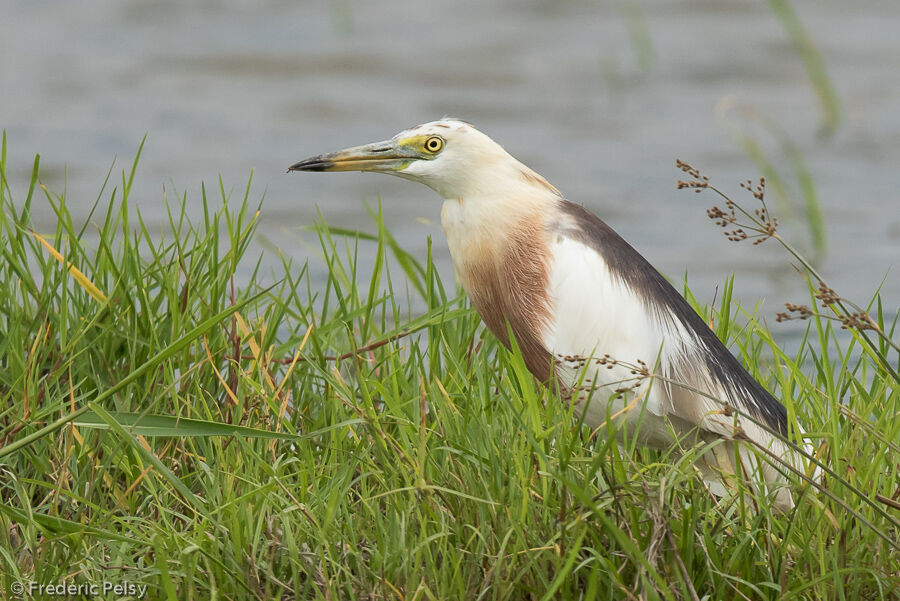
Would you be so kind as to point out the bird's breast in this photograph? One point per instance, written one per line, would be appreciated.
(503, 264)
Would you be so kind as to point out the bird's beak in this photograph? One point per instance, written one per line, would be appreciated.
(384, 156)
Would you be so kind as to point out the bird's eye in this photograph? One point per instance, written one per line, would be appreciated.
(434, 144)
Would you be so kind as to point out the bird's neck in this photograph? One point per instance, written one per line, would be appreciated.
(497, 197)
(482, 223)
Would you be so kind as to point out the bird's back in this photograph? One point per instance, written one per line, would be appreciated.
(635, 303)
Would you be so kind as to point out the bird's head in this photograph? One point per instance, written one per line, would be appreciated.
(449, 156)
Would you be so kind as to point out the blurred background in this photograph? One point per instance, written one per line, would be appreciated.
(599, 97)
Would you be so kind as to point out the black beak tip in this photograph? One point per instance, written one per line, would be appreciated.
(314, 164)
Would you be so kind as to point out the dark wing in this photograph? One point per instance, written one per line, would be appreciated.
(723, 372)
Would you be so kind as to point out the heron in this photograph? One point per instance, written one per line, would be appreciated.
(586, 309)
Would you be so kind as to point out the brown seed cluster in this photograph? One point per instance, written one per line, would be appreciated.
(638, 369)
(741, 224)
(827, 295)
(737, 235)
(580, 361)
(721, 217)
(859, 320)
(624, 389)
(606, 360)
(795, 312)
(759, 191)
(768, 224)
(761, 225)
(697, 181)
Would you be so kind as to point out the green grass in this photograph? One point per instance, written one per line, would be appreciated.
(321, 441)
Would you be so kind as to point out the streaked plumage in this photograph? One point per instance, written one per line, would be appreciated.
(584, 306)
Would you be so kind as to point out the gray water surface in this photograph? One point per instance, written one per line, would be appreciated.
(596, 98)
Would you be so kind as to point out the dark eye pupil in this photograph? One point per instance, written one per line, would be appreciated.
(433, 144)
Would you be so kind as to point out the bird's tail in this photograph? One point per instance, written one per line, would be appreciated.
(734, 465)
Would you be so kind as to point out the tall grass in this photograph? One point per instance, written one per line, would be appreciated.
(319, 442)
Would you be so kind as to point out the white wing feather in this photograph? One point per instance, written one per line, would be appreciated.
(596, 314)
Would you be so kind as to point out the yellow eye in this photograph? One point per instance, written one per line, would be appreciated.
(434, 144)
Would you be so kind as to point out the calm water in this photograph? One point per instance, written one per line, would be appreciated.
(225, 87)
